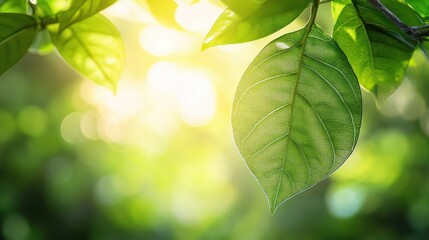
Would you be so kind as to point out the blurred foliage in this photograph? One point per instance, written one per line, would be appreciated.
(157, 161)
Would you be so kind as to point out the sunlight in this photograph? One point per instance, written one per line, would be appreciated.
(161, 41)
(130, 11)
(196, 97)
(197, 17)
(192, 89)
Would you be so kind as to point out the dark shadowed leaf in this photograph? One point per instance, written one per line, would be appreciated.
(94, 48)
(297, 113)
(234, 27)
(17, 33)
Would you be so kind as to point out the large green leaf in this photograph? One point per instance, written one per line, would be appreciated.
(421, 6)
(17, 33)
(297, 113)
(94, 48)
(80, 10)
(378, 50)
(233, 27)
(14, 6)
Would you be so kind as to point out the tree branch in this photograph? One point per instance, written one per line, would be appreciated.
(416, 32)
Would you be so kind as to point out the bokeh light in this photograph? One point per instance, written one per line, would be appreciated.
(156, 159)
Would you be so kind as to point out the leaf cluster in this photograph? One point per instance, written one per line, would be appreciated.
(86, 40)
(297, 109)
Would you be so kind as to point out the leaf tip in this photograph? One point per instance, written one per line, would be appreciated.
(273, 208)
(206, 45)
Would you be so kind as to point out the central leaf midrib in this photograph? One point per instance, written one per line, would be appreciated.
(303, 44)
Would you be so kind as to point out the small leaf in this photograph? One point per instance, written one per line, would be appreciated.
(80, 10)
(297, 113)
(164, 11)
(93, 47)
(233, 27)
(14, 6)
(17, 33)
(378, 50)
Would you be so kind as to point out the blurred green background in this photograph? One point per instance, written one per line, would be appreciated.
(157, 160)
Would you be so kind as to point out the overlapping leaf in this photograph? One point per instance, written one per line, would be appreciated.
(17, 33)
(94, 48)
(297, 113)
(80, 10)
(269, 17)
(378, 50)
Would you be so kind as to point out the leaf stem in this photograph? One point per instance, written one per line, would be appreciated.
(313, 13)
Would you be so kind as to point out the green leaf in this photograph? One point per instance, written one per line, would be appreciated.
(13, 6)
(421, 6)
(93, 47)
(378, 50)
(164, 11)
(297, 113)
(80, 10)
(51, 7)
(243, 6)
(17, 33)
(273, 15)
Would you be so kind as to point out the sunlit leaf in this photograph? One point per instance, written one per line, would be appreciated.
(17, 33)
(164, 12)
(80, 10)
(338, 6)
(51, 7)
(297, 113)
(13, 6)
(94, 48)
(243, 6)
(421, 6)
(378, 51)
(232, 27)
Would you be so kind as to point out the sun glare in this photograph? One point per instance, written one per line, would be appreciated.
(197, 17)
(160, 41)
